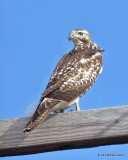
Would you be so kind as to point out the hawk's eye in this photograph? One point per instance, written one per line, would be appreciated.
(80, 33)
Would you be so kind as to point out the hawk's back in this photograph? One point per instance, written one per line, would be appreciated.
(75, 73)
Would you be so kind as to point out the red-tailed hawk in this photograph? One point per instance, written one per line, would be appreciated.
(73, 76)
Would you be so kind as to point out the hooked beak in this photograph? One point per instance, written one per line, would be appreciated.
(70, 37)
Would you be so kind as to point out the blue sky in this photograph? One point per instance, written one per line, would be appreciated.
(34, 36)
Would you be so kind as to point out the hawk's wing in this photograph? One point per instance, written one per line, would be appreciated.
(61, 72)
(57, 75)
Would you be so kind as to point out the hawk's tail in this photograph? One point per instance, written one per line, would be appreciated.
(42, 112)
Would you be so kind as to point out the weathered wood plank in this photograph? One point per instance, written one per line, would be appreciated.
(63, 131)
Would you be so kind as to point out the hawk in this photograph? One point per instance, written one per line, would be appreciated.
(73, 76)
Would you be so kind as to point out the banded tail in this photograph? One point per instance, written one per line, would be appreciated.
(43, 110)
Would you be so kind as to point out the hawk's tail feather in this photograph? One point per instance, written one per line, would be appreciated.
(43, 110)
(33, 123)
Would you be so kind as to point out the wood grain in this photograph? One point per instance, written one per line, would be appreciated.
(91, 128)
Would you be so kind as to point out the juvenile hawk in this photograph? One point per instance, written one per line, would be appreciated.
(73, 76)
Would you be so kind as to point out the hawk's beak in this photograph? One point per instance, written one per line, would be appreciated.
(70, 37)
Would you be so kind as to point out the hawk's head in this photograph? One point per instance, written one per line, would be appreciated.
(79, 37)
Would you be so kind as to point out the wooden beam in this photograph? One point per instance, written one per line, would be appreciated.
(90, 128)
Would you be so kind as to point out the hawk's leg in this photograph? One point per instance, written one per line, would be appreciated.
(77, 105)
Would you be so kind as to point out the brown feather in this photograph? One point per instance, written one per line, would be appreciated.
(41, 113)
